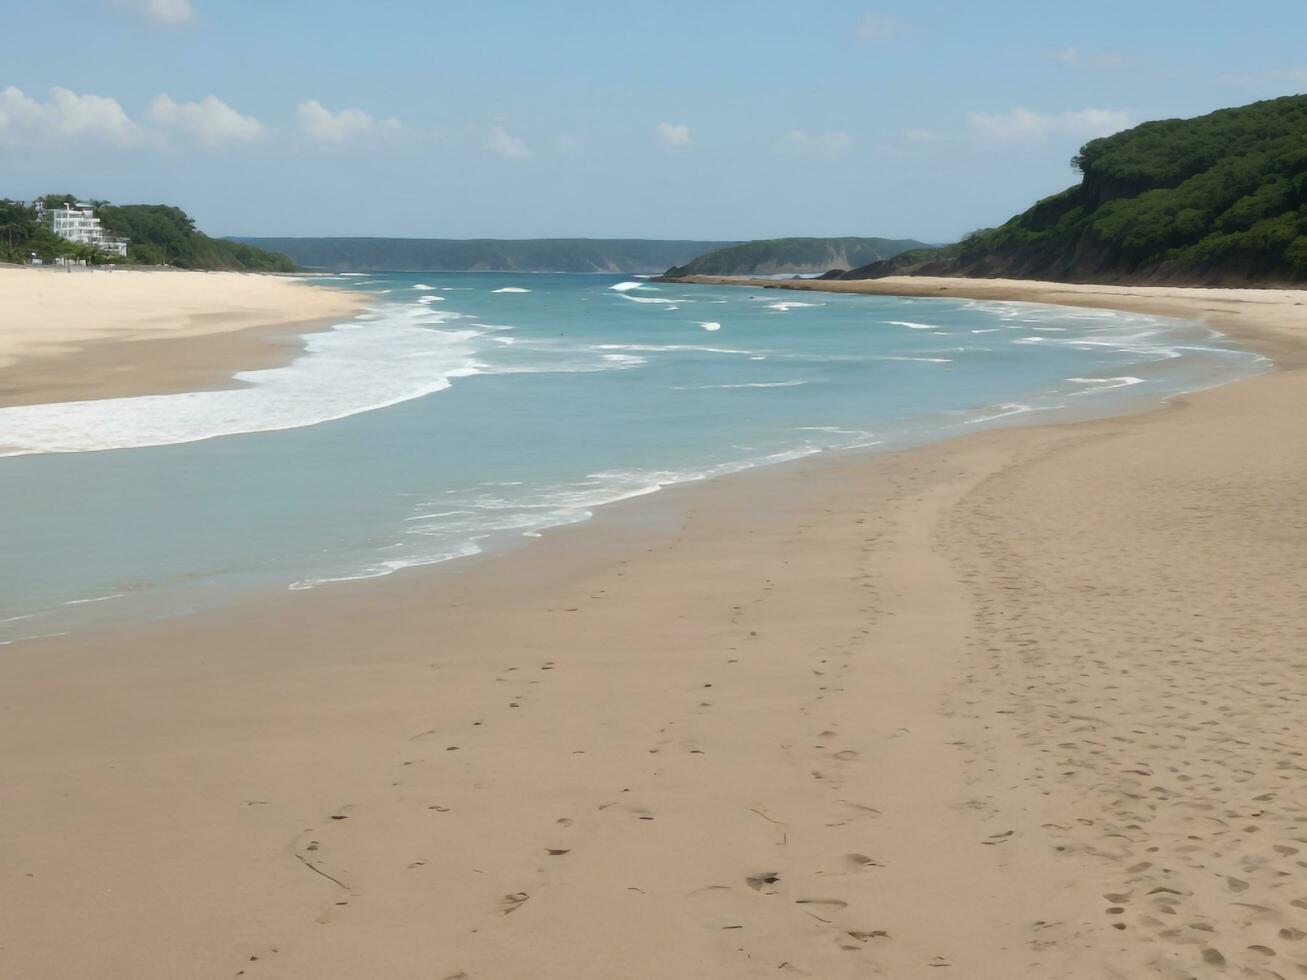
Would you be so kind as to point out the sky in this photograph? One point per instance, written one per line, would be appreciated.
(713, 119)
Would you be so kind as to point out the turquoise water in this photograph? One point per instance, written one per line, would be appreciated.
(466, 411)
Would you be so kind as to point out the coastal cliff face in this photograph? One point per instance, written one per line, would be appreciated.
(1216, 200)
(776, 256)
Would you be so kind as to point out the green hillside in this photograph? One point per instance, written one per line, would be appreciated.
(163, 235)
(1220, 199)
(793, 255)
(486, 254)
(160, 235)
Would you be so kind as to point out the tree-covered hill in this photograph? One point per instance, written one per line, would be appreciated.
(164, 235)
(486, 254)
(1220, 199)
(160, 235)
(21, 235)
(775, 256)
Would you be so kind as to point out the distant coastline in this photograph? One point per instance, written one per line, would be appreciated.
(632, 256)
(797, 256)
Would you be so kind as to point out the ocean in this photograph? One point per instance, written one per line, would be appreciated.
(467, 412)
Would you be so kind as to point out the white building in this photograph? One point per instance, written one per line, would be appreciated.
(78, 223)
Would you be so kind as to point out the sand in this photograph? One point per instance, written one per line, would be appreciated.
(1026, 704)
(71, 335)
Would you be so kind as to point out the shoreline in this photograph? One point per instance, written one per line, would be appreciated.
(213, 325)
(1278, 336)
(1126, 403)
(687, 737)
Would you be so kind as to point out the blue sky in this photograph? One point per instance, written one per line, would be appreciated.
(607, 119)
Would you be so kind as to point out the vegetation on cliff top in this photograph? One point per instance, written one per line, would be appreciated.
(1217, 199)
(774, 256)
(163, 235)
(21, 234)
(160, 235)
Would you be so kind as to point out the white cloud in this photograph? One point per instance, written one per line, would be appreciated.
(876, 28)
(674, 134)
(826, 145)
(66, 118)
(1022, 124)
(505, 144)
(210, 122)
(169, 12)
(1075, 58)
(344, 126)
(919, 136)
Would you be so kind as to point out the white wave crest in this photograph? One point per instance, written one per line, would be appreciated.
(356, 367)
(653, 300)
(1004, 411)
(671, 347)
(1093, 385)
(749, 384)
(923, 360)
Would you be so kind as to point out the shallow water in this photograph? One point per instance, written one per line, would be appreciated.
(464, 411)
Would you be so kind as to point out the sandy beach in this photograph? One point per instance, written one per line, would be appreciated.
(72, 335)
(1026, 704)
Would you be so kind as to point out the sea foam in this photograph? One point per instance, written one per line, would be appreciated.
(653, 300)
(746, 384)
(402, 353)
